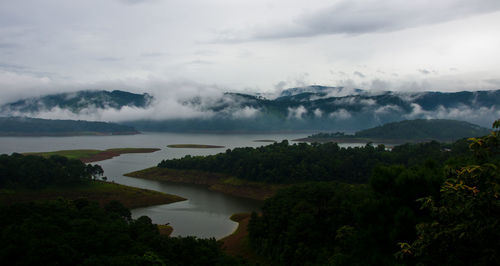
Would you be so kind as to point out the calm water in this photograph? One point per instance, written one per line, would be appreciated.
(205, 214)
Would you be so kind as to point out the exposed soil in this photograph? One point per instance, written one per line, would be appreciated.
(108, 154)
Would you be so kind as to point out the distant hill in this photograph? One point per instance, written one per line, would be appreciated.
(77, 101)
(437, 129)
(22, 126)
(409, 131)
(302, 109)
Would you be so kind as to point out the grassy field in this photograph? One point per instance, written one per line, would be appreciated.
(215, 181)
(194, 146)
(102, 192)
(88, 156)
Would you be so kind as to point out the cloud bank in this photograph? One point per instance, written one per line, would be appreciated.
(366, 16)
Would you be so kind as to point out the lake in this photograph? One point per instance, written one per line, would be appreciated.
(205, 214)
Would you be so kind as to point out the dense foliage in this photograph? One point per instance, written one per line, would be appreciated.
(465, 225)
(19, 171)
(81, 233)
(344, 224)
(428, 213)
(284, 163)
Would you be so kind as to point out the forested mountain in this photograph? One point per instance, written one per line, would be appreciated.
(23, 126)
(309, 108)
(328, 108)
(77, 102)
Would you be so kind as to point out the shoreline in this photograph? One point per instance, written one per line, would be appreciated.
(90, 156)
(237, 244)
(214, 181)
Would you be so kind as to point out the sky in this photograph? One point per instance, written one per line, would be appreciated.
(171, 47)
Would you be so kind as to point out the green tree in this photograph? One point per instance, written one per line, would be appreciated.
(465, 226)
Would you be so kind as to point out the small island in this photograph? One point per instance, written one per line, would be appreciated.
(88, 156)
(264, 140)
(194, 146)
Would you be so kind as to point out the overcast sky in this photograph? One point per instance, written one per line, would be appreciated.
(247, 45)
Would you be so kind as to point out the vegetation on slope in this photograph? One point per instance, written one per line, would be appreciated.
(428, 129)
(284, 163)
(35, 178)
(425, 214)
(82, 233)
(419, 130)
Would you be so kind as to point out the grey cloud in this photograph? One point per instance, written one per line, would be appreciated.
(109, 59)
(133, 2)
(199, 62)
(359, 74)
(280, 85)
(495, 82)
(11, 67)
(424, 71)
(153, 54)
(359, 17)
(482, 116)
(9, 45)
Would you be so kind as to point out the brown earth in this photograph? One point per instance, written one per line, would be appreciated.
(108, 154)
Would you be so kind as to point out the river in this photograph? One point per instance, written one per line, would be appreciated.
(204, 214)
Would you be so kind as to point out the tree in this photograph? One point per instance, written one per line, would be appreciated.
(94, 170)
(465, 228)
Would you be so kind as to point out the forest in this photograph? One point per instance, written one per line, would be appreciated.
(422, 214)
(285, 163)
(36, 172)
(80, 232)
(414, 204)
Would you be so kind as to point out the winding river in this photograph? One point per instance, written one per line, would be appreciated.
(205, 213)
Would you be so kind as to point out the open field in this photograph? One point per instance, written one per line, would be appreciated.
(194, 146)
(88, 156)
(214, 181)
(102, 192)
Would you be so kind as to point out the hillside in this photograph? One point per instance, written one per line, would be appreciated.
(316, 108)
(309, 108)
(22, 126)
(77, 101)
(436, 129)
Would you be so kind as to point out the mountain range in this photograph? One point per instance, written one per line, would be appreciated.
(310, 108)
